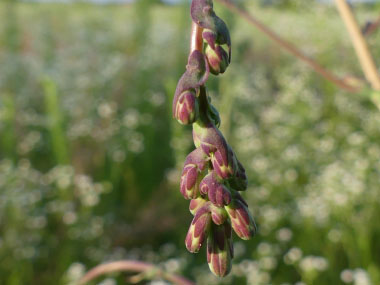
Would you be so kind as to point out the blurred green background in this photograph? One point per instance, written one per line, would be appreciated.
(90, 156)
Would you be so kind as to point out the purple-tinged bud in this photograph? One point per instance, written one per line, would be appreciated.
(198, 229)
(218, 193)
(190, 179)
(191, 174)
(197, 72)
(241, 219)
(197, 157)
(210, 37)
(218, 215)
(196, 204)
(187, 108)
(215, 30)
(217, 59)
(213, 144)
(219, 250)
(223, 165)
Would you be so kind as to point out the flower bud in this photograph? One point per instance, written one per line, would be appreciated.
(198, 229)
(219, 250)
(218, 215)
(196, 204)
(241, 219)
(197, 72)
(209, 138)
(187, 108)
(190, 182)
(218, 193)
(217, 59)
(198, 158)
(223, 163)
(215, 30)
(191, 174)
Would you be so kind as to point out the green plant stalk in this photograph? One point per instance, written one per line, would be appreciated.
(8, 135)
(55, 122)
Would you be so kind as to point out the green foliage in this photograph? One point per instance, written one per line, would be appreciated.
(90, 156)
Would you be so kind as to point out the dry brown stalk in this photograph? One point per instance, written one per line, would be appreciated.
(288, 46)
(361, 48)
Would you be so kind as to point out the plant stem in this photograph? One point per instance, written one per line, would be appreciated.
(288, 46)
(132, 266)
(196, 41)
(361, 48)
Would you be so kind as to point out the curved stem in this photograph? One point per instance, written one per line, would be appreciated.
(132, 266)
(288, 46)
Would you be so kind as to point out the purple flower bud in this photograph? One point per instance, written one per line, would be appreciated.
(197, 72)
(211, 141)
(241, 219)
(215, 30)
(190, 182)
(187, 108)
(210, 37)
(220, 250)
(198, 229)
(224, 165)
(191, 174)
(218, 193)
(197, 157)
(196, 204)
(217, 59)
(218, 215)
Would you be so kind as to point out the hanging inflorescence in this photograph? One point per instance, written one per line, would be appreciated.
(212, 175)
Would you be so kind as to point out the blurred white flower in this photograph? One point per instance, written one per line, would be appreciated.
(107, 109)
(69, 218)
(293, 255)
(361, 277)
(310, 263)
(347, 276)
(131, 118)
(75, 272)
(284, 234)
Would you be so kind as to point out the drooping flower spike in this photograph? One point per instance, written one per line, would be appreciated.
(212, 175)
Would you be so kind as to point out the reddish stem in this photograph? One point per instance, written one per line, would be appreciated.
(132, 266)
(196, 41)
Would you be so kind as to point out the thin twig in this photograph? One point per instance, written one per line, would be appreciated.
(288, 46)
(361, 48)
(132, 266)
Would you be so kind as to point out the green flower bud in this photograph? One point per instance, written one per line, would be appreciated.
(217, 59)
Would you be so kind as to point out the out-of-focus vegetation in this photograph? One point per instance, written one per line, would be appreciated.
(90, 156)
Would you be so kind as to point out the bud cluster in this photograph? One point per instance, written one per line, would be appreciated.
(212, 175)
